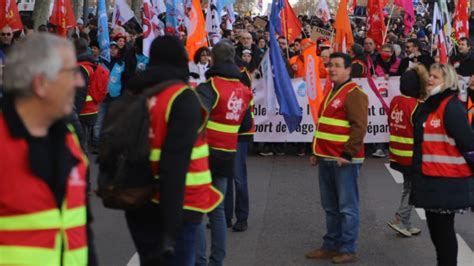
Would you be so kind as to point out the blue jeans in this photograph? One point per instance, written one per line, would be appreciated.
(340, 200)
(99, 123)
(241, 187)
(218, 231)
(144, 226)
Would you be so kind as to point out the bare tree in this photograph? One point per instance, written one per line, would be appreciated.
(137, 8)
(41, 12)
(76, 6)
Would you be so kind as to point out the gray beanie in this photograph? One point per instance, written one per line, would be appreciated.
(223, 52)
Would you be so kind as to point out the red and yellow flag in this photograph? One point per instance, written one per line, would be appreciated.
(62, 16)
(342, 26)
(290, 24)
(198, 36)
(10, 16)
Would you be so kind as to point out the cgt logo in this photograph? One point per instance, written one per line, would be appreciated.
(397, 115)
(235, 106)
(436, 122)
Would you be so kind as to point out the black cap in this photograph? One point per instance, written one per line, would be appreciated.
(168, 50)
(410, 84)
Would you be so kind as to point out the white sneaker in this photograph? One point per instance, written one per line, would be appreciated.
(414, 231)
(395, 225)
(379, 153)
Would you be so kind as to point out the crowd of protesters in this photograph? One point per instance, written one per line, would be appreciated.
(235, 61)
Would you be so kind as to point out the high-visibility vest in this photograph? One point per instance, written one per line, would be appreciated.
(401, 129)
(333, 129)
(233, 99)
(245, 73)
(33, 230)
(90, 107)
(440, 157)
(199, 194)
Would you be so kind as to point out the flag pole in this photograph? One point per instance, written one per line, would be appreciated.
(388, 24)
(286, 37)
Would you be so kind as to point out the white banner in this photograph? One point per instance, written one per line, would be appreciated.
(271, 126)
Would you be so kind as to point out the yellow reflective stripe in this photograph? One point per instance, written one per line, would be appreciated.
(78, 144)
(401, 153)
(222, 127)
(333, 158)
(155, 155)
(21, 255)
(332, 137)
(222, 149)
(200, 152)
(74, 217)
(89, 98)
(170, 103)
(401, 139)
(198, 178)
(334, 121)
(86, 114)
(217, 93)
(41, 220)
(197, 153)
(76, 257)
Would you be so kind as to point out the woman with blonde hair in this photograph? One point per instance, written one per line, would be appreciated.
(443, 154)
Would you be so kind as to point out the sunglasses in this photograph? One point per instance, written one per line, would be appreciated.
(8, 34)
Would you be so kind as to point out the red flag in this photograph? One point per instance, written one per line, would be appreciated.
(290, 24)
(375, 22)
(343, 38)
(197, 37)
(62, 16)
(409, 20)
(11, 16)
(461, 20)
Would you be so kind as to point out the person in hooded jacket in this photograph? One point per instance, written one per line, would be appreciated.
(228, 102)
(359, 61)
(412, 88)
(164, 230)
(442, 160)
(387, 63)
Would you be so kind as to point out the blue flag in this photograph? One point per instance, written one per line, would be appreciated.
(275, 19)
(103, 32)
(285, 94)
(172, 14)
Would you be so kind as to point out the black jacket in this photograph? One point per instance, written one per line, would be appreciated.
(435, 192)
(464, 64)
(424, 59)
(257, 56)
(222, 163)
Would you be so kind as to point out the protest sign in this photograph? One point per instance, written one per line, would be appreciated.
(318, 33)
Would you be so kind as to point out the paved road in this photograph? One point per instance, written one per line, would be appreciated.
(287, 220)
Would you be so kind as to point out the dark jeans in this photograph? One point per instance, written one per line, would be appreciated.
(442, 235)
(241, 187)
(144, 226)
(87, 124)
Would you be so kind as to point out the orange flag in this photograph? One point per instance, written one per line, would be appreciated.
(63, 16)
(11, 16)
(313, 82)
(197, 37)
(342, 26)
(290, 23)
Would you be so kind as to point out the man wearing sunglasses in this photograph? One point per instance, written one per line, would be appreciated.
(6, 38)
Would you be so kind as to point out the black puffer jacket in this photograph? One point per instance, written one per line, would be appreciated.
(436, 192)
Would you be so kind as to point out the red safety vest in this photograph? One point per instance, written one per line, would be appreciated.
(90, 106)
(233, 99)
(199, 194)
(33, 230)
(440, 157)
(401, 129)
(333, 129)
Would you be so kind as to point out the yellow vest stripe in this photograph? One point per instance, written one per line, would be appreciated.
(198, 178)
(401, 153)
(76, 257)
(222, 127)
(334, 122)
(74, 217)
(401, 139)
(49, 219)
(197, 153)
(89, 98)
(331, 137)
(211, 208)
(21, 255)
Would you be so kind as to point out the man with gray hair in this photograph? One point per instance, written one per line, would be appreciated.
(228, 102)
(42, 168)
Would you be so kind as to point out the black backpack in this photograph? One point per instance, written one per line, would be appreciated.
(125, 179)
